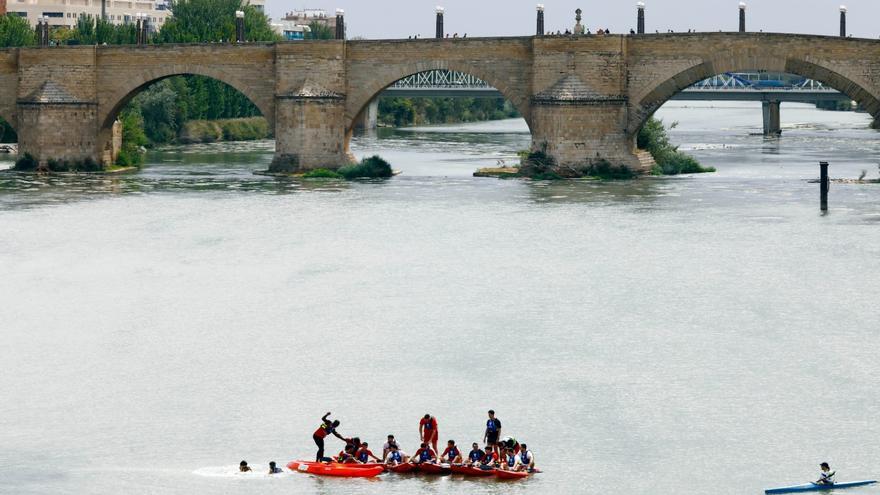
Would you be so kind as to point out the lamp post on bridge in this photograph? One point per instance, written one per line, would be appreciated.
(340, 24)
(843, 21)
(439, 33)
(640, 22)
(742, 17)
(540, 29)
(239, 26)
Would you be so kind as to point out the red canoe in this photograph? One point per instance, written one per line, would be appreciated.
(471, 471)
(340, 470)
(434, 468)
(406, 467)
(511, 475)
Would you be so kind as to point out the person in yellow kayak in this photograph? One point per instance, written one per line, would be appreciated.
(826, 476)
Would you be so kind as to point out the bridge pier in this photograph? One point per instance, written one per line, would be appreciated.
(369, 120)
(771, 111)
(53, 126)
(309, 133)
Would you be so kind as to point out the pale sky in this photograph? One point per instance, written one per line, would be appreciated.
(379, 19)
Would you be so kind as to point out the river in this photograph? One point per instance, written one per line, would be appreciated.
(709, 334)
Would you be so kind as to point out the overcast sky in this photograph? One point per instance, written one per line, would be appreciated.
(377, 19)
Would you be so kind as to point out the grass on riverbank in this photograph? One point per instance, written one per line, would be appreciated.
(211, 131)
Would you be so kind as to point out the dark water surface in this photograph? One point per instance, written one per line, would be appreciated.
(711, 334)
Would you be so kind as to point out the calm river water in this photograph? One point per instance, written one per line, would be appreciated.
(711, 334)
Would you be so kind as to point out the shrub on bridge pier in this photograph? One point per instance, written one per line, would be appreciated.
(653, 137)
(373, 167)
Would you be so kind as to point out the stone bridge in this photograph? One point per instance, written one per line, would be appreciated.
(584, 98)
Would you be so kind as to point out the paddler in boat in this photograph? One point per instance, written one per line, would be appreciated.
(451, 455)
(475, 455)
(327, 427)
(387, 447)
(509, 460)
(364, 454)
(525, 459)
(396, 456)
(826, 476)
(346, 456)
(490, 458)
(509, 443)
(425, 455)
(428, 430)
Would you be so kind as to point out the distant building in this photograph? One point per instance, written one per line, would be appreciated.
(66, 12)
(307, 16)
(290, 30)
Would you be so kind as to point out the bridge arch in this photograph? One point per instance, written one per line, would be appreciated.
(649, 100)
(359, 98)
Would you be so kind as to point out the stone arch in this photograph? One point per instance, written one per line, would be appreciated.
(359, 98)
(650, 100)
(112, 104)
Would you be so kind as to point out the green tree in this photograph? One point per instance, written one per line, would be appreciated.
(202, 21)
(15, 31)
(319, 31)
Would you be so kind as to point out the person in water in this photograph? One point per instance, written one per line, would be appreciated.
(364, 454)
(428, 430)
(387, 447)
(425, 455)
(525, 459)
(826, 476)
(243, 467)
(396, 456)
(493, 429)
(273, 469)
(327, 427)
(476, 455)
(451, 455)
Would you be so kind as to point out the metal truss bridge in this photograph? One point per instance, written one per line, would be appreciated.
(725, 87)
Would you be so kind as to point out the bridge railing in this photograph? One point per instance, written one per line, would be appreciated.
(440, 79)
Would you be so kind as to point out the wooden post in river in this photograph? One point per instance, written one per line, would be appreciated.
(824, 185)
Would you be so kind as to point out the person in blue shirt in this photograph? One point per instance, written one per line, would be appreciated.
(493, 430)
(476, 455)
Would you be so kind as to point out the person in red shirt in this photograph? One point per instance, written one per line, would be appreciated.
(327, 427)
(451, 455)
(428, 430)
(424, 455)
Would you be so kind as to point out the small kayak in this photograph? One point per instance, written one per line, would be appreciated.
(471, 471)
(406, 467)
(511, 475)
(813, 487)
(434, 468)
(352, 465)
(339, 470)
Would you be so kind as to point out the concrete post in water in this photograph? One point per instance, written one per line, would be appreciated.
(640, 22)
(843, 21)
(540, 29)
(340, 24)
(742, 17)
(824, 185)
(439, 34)
(239, 26)
(772, 125)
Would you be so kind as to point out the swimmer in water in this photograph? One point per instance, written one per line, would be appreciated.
(243, 467)
(273, 469)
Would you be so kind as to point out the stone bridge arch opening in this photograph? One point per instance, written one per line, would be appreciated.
(165, 103)
(649, 101)
(487, 95)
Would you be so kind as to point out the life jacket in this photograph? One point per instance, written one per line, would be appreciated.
(511, 460)
(429, 424)
(425, 454)
(491, 426)
(488, 458)
(396, 457)
(324, 430)
(524, 457)
(453, 453)
(363, 455)
(476, 455)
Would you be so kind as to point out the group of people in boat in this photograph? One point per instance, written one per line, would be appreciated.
(499, 452)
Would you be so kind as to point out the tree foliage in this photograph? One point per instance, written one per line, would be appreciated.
(319, 31)
(92, 31)
(418, 111)
(16, 31)
(205, 21)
